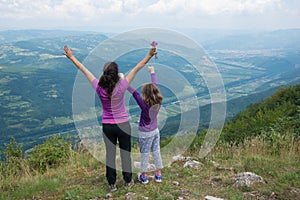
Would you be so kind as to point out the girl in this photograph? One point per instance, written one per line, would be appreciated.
(110, 89)
(149, 136)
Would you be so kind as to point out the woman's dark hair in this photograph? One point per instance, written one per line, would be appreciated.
(110, 77)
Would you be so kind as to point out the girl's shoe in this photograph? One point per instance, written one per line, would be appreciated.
(158, 178)
(142, 179)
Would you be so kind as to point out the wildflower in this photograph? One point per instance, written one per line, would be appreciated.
(154, 44)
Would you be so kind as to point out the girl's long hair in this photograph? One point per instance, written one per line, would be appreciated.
(110, 77)
(151, 95)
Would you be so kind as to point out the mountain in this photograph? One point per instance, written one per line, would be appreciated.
(278, 39)
(37, 80)
(10, 36)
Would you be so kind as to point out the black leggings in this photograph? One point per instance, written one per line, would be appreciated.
(111, 134)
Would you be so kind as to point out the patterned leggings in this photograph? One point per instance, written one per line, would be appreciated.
(149, 141)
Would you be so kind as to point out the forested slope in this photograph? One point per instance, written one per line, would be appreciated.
(278, 113)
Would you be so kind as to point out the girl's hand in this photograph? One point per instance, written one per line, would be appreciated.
(68, 52)
(151, 69)
(121, 75)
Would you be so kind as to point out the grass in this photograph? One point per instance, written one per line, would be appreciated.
(83, 177)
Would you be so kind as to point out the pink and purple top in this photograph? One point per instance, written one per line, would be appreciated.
(113, 110)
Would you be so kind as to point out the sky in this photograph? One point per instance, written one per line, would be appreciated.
(120, 15)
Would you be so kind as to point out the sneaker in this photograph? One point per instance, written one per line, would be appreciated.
(130, 184)
(158, 179)
(112, 187)
(142, 179)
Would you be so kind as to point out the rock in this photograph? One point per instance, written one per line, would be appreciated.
(129, 195)
(246, 179)
(178, 157)
(215, 179)
(295, 190)
(212, 198)
(293, 193)
(181, 158)
(216, 165)
(109, 196)
(252, 194)
(188, 158)
(151, 176)
(175, 183)
(185, 193)
(137, 164)
(192, 163)
(151, 167)
(273, 195)
(225, 168)
(258, 195)
(36, 198)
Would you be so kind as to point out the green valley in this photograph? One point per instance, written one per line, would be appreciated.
(37, 80)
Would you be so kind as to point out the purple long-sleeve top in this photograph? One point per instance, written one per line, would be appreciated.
(148, 117)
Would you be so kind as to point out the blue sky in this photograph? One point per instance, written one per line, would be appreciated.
(119, 15)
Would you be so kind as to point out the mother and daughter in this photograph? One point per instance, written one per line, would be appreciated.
(111, 88)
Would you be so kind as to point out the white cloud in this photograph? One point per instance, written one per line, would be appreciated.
(92, 8)
(143, 12)
(213, 7)
(50, 8)
(237, 6)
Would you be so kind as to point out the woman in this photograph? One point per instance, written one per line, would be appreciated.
(115, 123)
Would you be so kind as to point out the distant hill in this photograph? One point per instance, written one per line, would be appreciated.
(10, 36)
(279, 39)
(279, 112)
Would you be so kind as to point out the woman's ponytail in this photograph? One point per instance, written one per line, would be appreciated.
(110, 77)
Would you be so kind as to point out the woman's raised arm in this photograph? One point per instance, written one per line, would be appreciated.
(81, 67)
(130, 76)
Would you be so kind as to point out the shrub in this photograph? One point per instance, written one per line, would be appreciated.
(13, 164)
(12, 150)
(52, 153)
